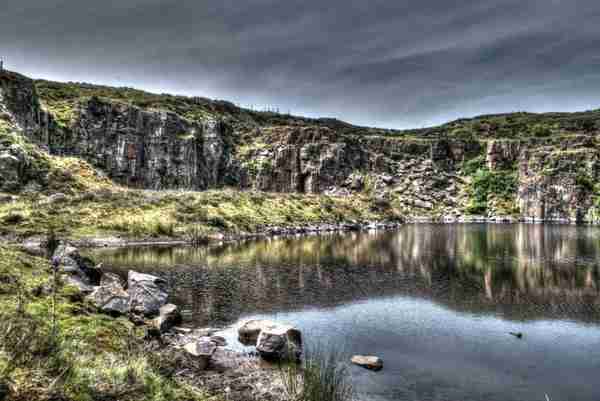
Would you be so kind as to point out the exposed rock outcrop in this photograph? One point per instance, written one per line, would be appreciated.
(421, 172)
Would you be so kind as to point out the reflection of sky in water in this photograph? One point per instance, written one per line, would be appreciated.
(431, 352)
(436, 302)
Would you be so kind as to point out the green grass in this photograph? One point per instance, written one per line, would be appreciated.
(501, 185)
(322, 376)
(85, 356)
(150, 214)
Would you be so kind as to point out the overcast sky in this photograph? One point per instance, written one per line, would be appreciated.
(393, 63)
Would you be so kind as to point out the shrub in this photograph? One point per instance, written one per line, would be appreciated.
(485, 183)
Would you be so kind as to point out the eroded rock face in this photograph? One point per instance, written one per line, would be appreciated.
(147, 293)
(151, 149)
(559, 185)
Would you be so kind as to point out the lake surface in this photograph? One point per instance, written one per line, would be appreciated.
(435, 302)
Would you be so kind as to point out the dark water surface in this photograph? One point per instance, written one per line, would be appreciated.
(435, 302)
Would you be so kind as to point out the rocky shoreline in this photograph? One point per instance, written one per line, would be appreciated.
(318, 229)
(200, 356)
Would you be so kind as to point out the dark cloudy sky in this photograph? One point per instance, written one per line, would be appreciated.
(392, 63)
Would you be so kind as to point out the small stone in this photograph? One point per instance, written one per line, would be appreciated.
(220, 341)
(202, 351)
(168, 316)
(368, 362)
(182, 330)
(249, 331)
(204, 332)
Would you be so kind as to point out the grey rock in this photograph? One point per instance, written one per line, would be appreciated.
(368, 362)
(56, 198)
(219, 340)
(279, 342)
(77, 282)
(249, 331)
(71, 262)
(168, 316)
(111, 297)
(147, 293)
(10, 167)
(202, 351)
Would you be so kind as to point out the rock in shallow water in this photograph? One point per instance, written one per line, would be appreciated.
(274, 341)
(368, 362)
(279, 342)
(110, 297)
(249, 331)
(147, 293)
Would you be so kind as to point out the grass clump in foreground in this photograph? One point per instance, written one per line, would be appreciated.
(53, 346)
(320, 377)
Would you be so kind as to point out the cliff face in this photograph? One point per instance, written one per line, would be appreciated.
(466, 168)
(150, 149)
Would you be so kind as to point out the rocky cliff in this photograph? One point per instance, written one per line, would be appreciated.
(538, 167)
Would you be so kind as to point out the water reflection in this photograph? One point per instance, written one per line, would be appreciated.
(434, 301)
(519, 271)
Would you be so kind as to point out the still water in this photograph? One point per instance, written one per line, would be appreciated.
(435, 302)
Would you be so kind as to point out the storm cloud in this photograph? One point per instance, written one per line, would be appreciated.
(385, 63)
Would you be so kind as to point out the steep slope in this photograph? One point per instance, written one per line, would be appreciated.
(532, 166)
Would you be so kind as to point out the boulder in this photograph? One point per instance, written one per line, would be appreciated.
(109, 279)
(249, 331)
(147, 293)
(279, 342)
(111, 297)
(77, 282)
(68, 259)
(368, 362)
(168, 316)
(202, 351)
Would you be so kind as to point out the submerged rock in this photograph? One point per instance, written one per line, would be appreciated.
(147, 293)
(368, 362)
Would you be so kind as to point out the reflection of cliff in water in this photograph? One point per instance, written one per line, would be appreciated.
(521, 272)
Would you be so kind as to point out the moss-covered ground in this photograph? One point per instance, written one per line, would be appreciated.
(54, 346)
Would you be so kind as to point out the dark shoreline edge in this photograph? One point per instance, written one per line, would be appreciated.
(301, 230)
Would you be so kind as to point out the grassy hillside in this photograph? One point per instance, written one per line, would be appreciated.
(62, 98)
(515, 126)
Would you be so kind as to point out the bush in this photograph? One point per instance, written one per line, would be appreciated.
(500, 184)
